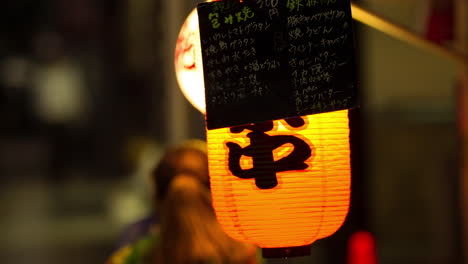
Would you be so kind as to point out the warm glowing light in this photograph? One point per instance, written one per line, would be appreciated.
(297, 206)
(362, 248)
(188, 62)
(305, 204)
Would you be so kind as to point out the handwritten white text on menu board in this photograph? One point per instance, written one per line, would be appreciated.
(296, 55)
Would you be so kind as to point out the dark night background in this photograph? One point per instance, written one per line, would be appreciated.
(88, 100)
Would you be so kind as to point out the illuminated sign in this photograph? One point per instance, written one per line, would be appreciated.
(188, 62)
(283, 183)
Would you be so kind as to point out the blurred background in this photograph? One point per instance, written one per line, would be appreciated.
(89, 100)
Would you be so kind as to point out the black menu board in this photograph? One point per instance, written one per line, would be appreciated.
(274, 59)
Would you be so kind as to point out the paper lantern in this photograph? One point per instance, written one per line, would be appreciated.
(188, 62)
(284, 183)
(279, 184)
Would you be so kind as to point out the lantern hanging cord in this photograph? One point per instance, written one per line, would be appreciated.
(398, 32)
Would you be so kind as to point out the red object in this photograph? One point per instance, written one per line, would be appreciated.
(440, 24)
(362, 248)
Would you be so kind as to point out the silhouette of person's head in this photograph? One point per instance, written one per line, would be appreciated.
(190, 232)
(189, 157)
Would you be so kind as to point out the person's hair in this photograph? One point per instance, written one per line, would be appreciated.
(190, 232)
(188, 157)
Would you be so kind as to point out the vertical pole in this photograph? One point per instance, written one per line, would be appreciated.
(462, 108)
(461, 30)
(175, 108)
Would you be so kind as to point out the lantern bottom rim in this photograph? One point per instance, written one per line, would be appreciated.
(286, 252)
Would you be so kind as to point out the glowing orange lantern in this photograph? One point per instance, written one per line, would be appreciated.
(284, 183)
(278, 184)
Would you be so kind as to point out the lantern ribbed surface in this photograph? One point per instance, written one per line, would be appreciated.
(306, 204)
